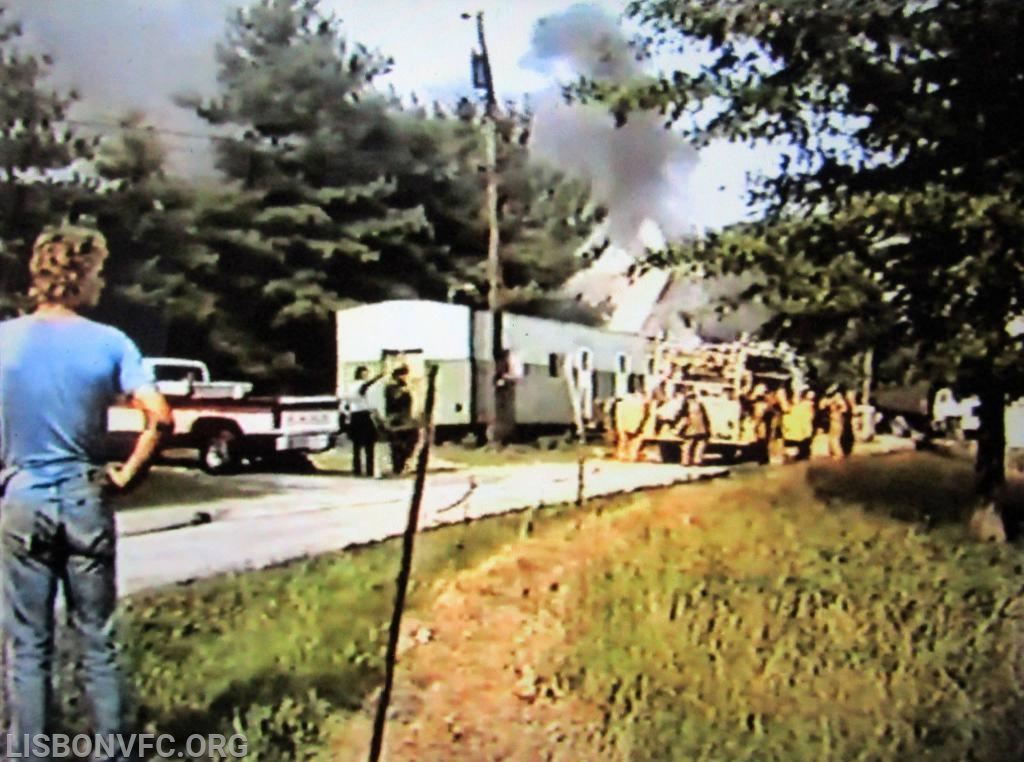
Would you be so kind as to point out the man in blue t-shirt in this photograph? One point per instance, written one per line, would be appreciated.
(59, 372)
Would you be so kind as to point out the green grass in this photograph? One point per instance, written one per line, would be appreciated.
(922, 487)
(547, 450)
(792, 624)
(550, 450)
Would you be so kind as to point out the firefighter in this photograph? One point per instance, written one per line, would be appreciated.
(776, 446)
(846, 439)
(402, 431)
(633, 420)
(668, 420)
(798, 423)
(762, 414)
(695, 430)
(837, 410)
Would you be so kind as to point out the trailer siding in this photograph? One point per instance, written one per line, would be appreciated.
(459, 341)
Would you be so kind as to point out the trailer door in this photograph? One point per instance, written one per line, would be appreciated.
(623, 367)
(583, 380)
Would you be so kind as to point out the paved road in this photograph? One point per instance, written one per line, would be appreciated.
(284, 517)
(273, 518)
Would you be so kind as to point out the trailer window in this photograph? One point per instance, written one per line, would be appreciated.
(622, 362)
(584, 359)
(554, 365)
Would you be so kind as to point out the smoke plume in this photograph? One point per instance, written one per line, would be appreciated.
(641, 170)
(126, 57)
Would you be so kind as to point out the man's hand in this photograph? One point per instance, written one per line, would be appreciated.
(119, 479)
(159, 422)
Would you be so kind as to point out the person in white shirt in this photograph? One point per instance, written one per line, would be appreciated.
(362, 428)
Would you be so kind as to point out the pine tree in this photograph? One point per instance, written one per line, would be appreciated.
(310, 223)
(159, 269)
(341, 194)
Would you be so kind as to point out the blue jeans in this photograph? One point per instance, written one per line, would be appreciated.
(56, 530)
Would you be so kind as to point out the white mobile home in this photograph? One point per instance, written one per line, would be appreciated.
(550, 360)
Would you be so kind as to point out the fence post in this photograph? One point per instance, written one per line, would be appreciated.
(405, 567)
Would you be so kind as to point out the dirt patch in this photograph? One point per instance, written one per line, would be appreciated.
(476, 690)
(474, 679)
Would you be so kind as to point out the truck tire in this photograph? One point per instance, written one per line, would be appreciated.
(218, 453)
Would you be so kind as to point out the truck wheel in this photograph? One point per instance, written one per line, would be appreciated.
(219, 453)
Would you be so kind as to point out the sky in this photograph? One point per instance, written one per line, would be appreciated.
(124, 55)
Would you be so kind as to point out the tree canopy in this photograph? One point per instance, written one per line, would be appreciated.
(894, 222)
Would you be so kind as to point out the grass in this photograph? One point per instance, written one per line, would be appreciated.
(547, 450)
(795, 624)
(803, 614)
(927, 488)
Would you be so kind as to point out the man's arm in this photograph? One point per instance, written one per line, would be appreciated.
(158, 421)
(365, 387)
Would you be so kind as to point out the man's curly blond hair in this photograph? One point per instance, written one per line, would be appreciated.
(64, 259)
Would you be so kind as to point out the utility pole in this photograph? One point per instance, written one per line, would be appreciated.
(502, 422)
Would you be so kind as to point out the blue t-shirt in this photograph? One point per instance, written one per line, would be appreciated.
(58, 376)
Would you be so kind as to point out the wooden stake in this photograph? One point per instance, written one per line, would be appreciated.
(405, 568)
(580, 474)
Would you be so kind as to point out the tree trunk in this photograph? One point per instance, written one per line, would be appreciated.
(990, 463)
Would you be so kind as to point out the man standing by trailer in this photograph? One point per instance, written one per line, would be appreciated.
(59, 372)
(362, 429)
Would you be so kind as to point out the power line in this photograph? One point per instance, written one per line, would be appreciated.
(121, 127)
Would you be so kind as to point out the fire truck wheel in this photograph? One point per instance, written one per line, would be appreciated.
(219, 453)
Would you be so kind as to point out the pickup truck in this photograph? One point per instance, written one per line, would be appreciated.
(955, 417)
(223, 422)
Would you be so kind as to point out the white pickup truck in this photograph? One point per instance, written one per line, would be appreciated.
(223, 422)
(955, 417)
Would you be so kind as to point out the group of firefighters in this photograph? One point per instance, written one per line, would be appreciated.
(780, 424)
(775, 424)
